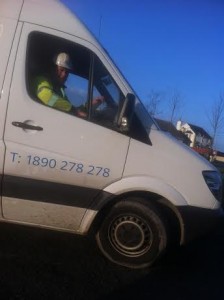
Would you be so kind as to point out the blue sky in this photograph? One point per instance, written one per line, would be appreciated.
(165, 46)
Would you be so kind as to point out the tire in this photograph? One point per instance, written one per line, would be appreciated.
(133, 234)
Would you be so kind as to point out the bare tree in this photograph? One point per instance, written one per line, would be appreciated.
(216, 117)
(175, 102)
(154, 103)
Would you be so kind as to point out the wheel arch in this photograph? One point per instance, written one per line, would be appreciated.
(164, 206)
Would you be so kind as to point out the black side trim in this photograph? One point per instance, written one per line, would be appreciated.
(46, 191)
(1, 178)
(199, 221)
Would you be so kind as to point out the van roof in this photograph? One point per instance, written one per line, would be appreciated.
(48, 13)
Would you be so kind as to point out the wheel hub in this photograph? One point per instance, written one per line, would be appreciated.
(130, 235)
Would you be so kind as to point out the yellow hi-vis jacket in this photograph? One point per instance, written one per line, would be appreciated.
(45, 92)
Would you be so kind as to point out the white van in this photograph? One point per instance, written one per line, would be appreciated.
(113, 172)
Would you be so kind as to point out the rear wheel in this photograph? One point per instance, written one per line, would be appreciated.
(133, 234)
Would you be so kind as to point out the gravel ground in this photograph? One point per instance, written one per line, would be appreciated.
(41, 264)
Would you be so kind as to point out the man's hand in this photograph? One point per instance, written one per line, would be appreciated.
(81, 114)
(98, 100)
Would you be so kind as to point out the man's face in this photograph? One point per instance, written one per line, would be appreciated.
(61, 74)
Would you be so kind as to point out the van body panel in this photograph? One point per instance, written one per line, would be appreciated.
(43, 214)
(7, 31)
(11, 8)
(143, 183)
(171, 167)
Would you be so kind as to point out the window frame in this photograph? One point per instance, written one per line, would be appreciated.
(36, 36)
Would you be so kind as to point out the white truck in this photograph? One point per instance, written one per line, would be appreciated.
(113, 173)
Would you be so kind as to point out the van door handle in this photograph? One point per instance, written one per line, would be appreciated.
(26, 126)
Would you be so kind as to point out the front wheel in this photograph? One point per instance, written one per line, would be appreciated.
(133, 234)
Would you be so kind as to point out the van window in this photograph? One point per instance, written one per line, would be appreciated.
(104, 85)
(89, 87)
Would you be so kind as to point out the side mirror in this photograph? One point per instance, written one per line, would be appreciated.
(126, 113)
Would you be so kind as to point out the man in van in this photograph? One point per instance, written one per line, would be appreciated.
(51, 91)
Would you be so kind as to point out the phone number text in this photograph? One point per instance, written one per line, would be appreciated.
(64, 165)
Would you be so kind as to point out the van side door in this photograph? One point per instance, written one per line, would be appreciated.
(56, 162)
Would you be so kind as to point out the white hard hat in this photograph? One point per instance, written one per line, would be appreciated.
(63, 60)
